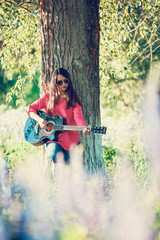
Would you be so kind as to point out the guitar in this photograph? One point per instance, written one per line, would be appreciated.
(37, 136)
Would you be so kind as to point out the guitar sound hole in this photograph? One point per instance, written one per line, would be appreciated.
(50, 127)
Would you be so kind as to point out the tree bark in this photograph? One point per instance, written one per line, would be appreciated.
(70, 39)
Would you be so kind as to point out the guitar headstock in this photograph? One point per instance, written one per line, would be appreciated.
(100, 130)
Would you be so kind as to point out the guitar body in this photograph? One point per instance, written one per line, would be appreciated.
(37, 136)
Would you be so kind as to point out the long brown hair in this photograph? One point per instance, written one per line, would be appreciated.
(70, 94)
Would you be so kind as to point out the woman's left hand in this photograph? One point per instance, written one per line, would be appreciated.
(87, 131)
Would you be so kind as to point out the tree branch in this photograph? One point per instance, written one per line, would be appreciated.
(29, 2)
(150, 53)
(18, 5)
(139, 24)
(144, 50)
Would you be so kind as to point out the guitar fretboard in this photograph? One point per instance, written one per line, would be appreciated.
(69, 128)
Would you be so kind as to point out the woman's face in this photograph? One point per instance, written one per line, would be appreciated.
(62, 83)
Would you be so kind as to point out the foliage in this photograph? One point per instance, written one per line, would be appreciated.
(20, 44)
(130, 40)
(110, 155)
(4, 86)
(157, 221)
(139, 161)
(15, 152)
(12, 143)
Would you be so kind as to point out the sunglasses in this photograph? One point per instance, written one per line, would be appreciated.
(61, 82)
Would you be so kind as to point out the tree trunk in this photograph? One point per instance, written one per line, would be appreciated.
(70, 39)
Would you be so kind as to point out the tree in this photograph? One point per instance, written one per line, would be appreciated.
(70, 39)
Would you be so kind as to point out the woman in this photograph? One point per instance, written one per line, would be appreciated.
(60, 100)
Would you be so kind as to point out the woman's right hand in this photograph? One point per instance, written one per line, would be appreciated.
(43, 123)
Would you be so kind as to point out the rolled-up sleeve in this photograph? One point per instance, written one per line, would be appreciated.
(78, 115)
(39, 104)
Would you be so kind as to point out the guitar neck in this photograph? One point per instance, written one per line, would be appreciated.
(69, 128)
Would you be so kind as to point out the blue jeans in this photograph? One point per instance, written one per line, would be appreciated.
(53, 148)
